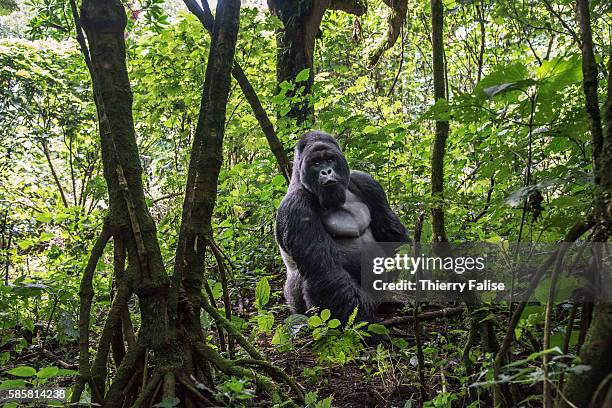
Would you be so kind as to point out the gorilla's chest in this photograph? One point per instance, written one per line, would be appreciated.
(350, 221)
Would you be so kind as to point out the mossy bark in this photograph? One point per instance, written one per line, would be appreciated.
(581, 389)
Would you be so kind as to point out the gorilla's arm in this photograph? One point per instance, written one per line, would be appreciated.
(385, 225)
(301, 234)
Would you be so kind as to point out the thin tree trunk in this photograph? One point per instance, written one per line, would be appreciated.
(589, 72)
(442, 127)
(104, 22)
(205, 164)
(54, 173)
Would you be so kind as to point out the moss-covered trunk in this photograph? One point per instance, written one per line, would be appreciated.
(295, 47)
(104, 22)
(205, 164)
(592, 386)
(170, 331)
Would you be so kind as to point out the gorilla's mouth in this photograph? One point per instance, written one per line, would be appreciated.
(330, 182)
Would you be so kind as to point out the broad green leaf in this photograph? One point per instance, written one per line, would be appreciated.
(281, 336)
(43, 217)
(303, 75)
(47, 372)
(12, 384)
(22, 371)
(506, 87)
(265, 322)
(377, 328)
(262, 292)
(314, 321)
(333, 323)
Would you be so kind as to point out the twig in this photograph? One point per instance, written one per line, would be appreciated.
(148, 390)
(418, 230)
(195, 393)
(58, 360)
(448, 312)
(208, 21)
(276, 372)
(226, 296)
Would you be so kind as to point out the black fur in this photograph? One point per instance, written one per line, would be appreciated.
(327, 279)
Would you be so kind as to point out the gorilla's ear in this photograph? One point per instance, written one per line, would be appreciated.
(301, 145)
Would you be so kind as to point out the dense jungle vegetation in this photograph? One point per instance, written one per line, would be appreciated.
(145, 146)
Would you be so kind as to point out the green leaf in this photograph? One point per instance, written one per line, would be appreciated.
(566, 285)
(43, 217)
(377, 328)
(310, 398)
(46, 236)
(25, 244)
(22, 371)
(278, 180)
(65, 372)
(303, 75)
(506, 87)
(400, 343)
(314, 321)
(47, 372)
(351, 318)
(265, 322)
(325, 315)
(281, 336)
(333, 323)
(12, 384)
(262, 292)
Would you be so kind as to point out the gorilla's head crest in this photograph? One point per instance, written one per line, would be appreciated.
(321, 168)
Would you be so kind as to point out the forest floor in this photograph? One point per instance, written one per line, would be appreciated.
(377, 376)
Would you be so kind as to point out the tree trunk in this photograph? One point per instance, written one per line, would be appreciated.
(442, 127)
(395, 20)
(295, 44)
(170, 330)
(581, 389)
(205, 164)
(104, 22)
(295, 48)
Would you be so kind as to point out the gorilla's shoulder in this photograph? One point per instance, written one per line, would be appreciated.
(296, 197)
(361, 176)
(293, 209)
(296, 202)
(366, 183)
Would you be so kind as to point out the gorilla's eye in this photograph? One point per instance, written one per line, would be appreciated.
(316, 163)
(330, 160)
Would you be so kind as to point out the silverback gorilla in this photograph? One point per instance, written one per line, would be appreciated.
(327, 215)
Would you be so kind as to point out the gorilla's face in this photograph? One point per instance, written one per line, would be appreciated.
(323, 169)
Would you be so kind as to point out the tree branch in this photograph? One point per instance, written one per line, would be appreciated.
(395, 20)
(86, 295)
(208, 21)
(356, 7)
